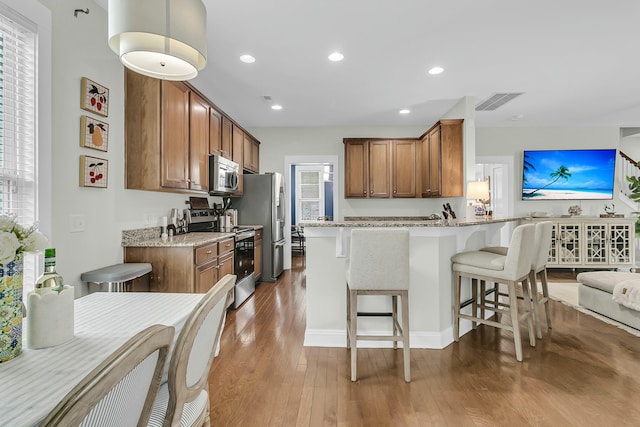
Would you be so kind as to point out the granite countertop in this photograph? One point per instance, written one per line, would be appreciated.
(382, 221)
(180, 240)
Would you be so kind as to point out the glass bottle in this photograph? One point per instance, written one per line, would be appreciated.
(50, 280)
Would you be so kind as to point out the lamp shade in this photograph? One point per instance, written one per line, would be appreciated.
(164, 39)
(478, 190)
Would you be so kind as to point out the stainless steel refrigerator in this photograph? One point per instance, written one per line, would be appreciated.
(263, 203)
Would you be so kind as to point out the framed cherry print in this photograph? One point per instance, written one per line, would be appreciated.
(94, 97)
(93, 172)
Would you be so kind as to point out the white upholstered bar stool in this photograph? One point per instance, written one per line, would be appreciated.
(509, 269)
(542, 244)
(378, 264)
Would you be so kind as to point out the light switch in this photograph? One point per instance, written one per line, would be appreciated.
(76, 223)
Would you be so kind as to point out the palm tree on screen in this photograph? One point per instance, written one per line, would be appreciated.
(561, 173)
(527, 166)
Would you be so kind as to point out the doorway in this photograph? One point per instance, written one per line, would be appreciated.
(498, 170)
(311, 196)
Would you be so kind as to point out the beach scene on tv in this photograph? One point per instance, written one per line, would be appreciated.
(568, 174)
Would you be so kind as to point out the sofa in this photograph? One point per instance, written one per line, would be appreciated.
(595, 292)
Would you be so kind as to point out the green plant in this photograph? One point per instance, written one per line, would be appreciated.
(634, 187)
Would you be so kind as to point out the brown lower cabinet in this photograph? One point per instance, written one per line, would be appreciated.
(185, 269)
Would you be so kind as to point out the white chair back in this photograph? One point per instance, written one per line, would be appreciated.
(521, 251)
(195, 349)
(543, 236)
(379, 259)
(121, 390)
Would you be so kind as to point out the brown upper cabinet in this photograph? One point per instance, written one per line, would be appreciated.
(431, 166)
(442, 164)
(225, 143)
(237, 140)
(251, 154)
(380, 168)
(170, 131)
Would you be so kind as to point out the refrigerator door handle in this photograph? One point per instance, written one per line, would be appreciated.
(280, 243)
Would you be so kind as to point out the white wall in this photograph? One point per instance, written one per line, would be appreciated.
(512, 141)
(79, 47)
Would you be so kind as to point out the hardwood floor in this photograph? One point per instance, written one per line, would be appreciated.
(583, 372)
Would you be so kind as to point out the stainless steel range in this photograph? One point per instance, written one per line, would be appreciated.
(206, 220)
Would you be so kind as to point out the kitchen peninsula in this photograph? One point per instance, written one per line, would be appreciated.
(432, 243)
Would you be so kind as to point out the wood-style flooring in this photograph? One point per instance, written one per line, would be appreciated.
(583, 372)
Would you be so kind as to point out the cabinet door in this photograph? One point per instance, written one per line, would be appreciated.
(215, 131)
(238, 155)
(175, 135)
(225, 265)
(431, 164)
(198, 143)
(247, 153)
(595, 239)
(206, 276)
(621, 238)
(569, 248)
(404, 168)
(225, 141)
(356, 166)
(451, 172)
(380, 169)
(255, 154)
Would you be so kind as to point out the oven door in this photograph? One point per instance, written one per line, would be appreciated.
(244, 252)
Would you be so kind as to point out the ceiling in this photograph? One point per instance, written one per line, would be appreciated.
(577, 62)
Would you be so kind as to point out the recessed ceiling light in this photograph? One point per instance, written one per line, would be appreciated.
(336, 56)
(405, 111)
(436, 70)
(247, 59)
(276, 107)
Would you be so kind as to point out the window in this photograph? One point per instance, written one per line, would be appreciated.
(309, 193)
(18, 188)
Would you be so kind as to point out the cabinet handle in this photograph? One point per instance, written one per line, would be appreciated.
(364, 192)
(209, 252)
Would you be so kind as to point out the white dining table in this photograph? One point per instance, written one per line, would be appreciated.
(33, 383)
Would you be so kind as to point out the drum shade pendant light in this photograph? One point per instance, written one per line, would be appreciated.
(164, 39)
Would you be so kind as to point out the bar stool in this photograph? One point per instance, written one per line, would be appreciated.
(509, 269)
(542, 244)
(116, 275)
(378, 264)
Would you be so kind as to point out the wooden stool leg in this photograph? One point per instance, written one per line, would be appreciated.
(545, 294)
(530, 307)
(406, 348)
(513, 307)
(353, 330)
(456, 306)
(348, 317)
(535, 306)
(394, 318)
(483, 290)
(474, 302)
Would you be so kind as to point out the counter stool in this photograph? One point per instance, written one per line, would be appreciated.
(541, 244)
(116, 275)
(509, 269)
(378, 264)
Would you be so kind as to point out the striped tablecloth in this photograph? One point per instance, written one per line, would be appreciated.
(34, 382)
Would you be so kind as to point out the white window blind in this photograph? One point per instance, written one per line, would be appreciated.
(18, 166)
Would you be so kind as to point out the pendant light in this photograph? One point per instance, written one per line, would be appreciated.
(163, 39)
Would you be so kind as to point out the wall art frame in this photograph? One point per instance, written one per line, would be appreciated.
(94, 97)
(94, 133)
(94, 172)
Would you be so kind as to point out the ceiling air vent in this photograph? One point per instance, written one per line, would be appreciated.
(496, 100)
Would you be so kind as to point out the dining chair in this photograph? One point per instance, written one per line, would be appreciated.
(122, 389)
(378, 264)
(184, 399)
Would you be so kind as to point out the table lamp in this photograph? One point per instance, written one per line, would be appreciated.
(478, 190)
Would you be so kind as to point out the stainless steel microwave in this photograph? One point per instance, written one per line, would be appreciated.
(223, 175)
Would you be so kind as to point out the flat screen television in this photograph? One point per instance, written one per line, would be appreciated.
(568, 174)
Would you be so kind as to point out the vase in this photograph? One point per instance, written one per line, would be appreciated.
(11, 309)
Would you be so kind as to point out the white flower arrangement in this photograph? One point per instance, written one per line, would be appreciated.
(16, 239)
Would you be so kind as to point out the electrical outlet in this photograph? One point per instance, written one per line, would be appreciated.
(150, 219)
(76, 223)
